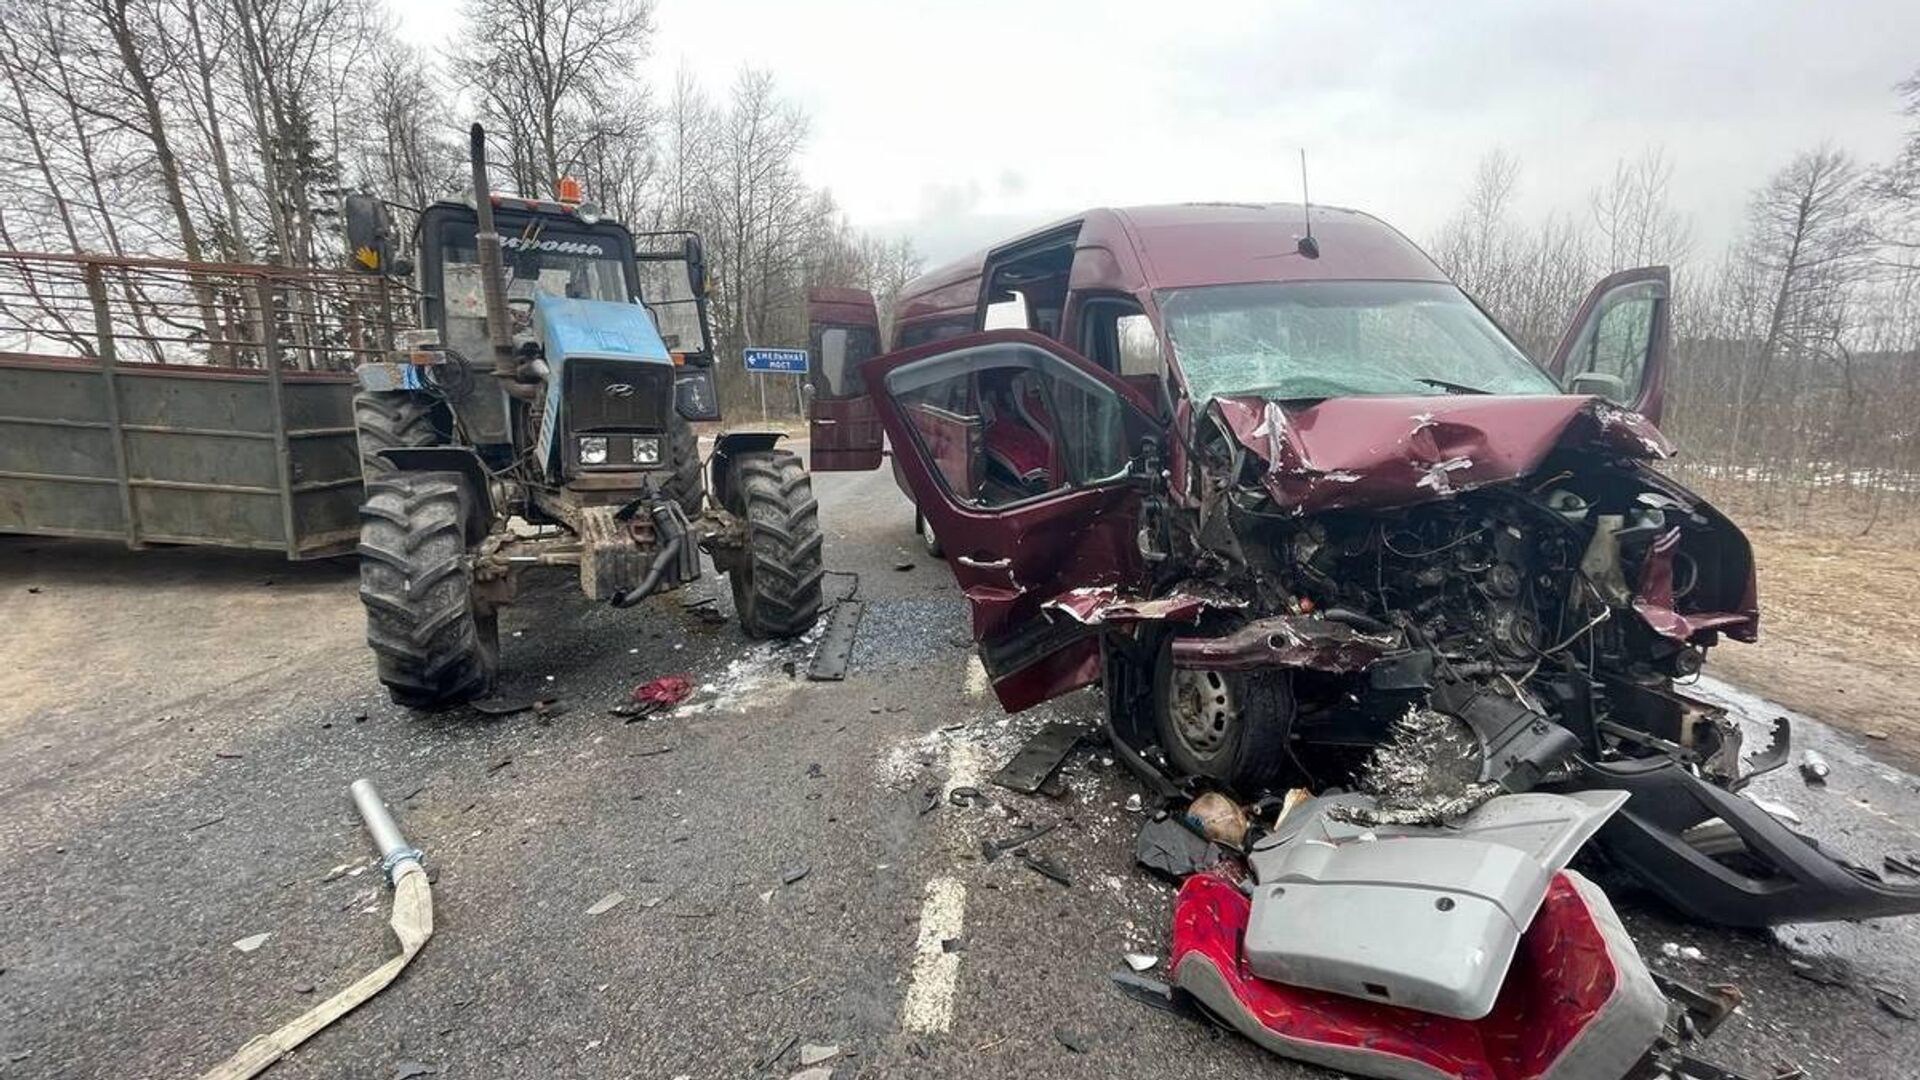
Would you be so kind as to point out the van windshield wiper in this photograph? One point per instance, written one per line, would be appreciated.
(1453, 387)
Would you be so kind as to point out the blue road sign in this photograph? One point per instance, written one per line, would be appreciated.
(782, 361)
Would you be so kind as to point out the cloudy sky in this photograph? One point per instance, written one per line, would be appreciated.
(958, 122)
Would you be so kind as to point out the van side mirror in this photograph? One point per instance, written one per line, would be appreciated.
(1599, 384)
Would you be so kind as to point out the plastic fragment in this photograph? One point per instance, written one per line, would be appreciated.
(607, 903)
(251, 942)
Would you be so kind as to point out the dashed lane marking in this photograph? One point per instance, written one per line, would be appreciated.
(928, 1008)
(977, 685)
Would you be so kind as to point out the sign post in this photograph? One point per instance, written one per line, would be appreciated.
(773, 362)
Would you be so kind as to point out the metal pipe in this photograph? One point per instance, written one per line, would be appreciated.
(492, 266)
(668, 554)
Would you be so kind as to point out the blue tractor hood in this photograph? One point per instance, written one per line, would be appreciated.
(574, 329)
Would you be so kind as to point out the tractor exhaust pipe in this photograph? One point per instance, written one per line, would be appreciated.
(493, 271)
(412, 923)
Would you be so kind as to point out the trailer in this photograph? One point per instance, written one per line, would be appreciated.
(153, 401)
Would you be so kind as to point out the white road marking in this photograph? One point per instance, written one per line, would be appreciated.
(928, 1008)
(977, 685)
(964, 765)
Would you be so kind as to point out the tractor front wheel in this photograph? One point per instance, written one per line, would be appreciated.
(433, 644)
(776, 580)
(685, 486)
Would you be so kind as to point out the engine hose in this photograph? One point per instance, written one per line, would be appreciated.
(668, 554)
(412, 922)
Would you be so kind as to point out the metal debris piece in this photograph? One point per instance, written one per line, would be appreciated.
(251, 942)
(1823, 972)
(1814, 768)
(1703, 1009)
(407, 1070)
(779, 1051)
(506, 706)
(1077, 1041)
(1892, 1001)
(607, 903)
(795, 874)
(831, 656)
(1039, 758)
(1170, 848)
(966, 796)
(1046, 867)
(812, 1054)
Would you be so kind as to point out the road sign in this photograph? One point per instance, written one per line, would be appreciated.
(780, 361)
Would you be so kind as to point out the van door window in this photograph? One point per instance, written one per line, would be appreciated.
(1119, 337)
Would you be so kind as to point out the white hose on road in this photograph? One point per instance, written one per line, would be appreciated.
(412, 923)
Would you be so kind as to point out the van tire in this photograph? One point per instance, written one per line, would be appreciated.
(1227, 726)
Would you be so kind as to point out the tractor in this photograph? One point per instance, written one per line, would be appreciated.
(541, 418)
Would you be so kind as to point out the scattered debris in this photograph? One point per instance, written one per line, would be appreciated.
(779, 1051)
(1893, 1001)
(228, 755)
(1046, 867)
(795, 874)
(1142, 961)
(1154, 994)
(1908, 864)
(507, 706)
(1675, 951)
(966, 796)
(251, 942)
(1169, 848)
(215, 820)
(607, 903)
(1426, 772)
(1023, 837)
(813, 1054)
(407, 1070)
(1877, 735)
(1134, 803)
(1219, 819)
(1039, 758)
(1824, 972)
(1076, 1041)
(953, 944)
(653, 751)
(903, 564)
(1814, 768)
(498, 765)
(835, 651)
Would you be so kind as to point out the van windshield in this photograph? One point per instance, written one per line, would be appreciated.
(1321, 339)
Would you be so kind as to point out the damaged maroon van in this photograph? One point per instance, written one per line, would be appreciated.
(1279, 488)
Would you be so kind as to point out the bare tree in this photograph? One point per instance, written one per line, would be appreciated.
(1634, 216)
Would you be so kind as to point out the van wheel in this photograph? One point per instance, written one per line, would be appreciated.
(432, 644)
(927, 540)
(776, 580)
(1230, 727)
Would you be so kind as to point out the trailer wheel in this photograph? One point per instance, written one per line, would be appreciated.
(776, 580)
(391, 420)
(1231, 727)
(433, 645)
(686, 486)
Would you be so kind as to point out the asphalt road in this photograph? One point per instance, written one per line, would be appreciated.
(179, 728)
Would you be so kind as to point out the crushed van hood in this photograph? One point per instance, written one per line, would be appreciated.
(1390, 451)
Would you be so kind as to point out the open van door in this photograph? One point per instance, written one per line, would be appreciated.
(1618, 344)
(1021, 454)
(843, 332)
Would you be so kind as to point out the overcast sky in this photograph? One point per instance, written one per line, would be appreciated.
(956, 123)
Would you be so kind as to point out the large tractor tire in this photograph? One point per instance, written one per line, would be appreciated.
(391, 420)
(432, 644)
(776, 580)
(687, 486)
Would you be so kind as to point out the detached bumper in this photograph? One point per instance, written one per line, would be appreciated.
(1792, 879)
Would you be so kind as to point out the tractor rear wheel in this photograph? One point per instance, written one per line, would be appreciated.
(686, 485)
(776, 580)
(391, 420)
(433, 644)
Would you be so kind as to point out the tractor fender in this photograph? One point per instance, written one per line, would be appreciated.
(476, 485)
(729, 445)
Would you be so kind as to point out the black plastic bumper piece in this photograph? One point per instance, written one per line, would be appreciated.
(1793, 879)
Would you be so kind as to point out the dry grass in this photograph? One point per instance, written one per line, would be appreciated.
(1839, 611)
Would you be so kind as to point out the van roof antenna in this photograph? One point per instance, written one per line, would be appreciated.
(1307, 246)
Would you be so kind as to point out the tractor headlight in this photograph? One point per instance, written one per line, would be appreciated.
(593, 450)
(646, 450)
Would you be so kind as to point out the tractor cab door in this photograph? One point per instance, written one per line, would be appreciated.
(1617, 346)
(843, 332)
(1022, 455)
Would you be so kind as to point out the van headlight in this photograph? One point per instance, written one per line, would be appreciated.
(646, 450)
(593, 450)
